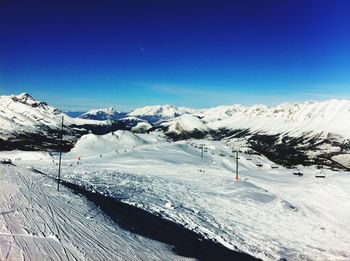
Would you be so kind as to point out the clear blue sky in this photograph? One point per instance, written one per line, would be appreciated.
(81, 54)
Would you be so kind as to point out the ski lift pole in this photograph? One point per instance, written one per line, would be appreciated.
(236, 164)
(60, 158)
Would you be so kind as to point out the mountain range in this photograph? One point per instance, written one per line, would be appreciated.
(298, 133)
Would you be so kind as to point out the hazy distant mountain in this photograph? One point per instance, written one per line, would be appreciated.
(74, 114)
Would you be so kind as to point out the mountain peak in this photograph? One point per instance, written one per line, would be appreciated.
(27, 99)
(25, 95)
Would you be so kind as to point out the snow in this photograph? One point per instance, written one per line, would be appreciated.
(185, 123)
(269, 213)
(141, 127)
(39, 223)
(17, 155)
(343, 159)
(104, 110)
(220, 112)
(90, 144)
(103, 114)
(22, 114)
(293, 119)
(158, 112)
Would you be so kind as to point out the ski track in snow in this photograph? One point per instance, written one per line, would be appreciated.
(38, 223)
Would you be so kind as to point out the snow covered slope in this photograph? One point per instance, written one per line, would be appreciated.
(185, 124)
(297, 119)
(90, 144)
(158, 112)
(324, 118)
(27, 121)
(142, 127)
(299, 133)
(343, 159)
(103, 114)
(23, 113)
(39, 223)
(29, 124)
(269, 213)
(219, 113)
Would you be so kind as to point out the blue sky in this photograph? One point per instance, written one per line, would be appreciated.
(128, 54)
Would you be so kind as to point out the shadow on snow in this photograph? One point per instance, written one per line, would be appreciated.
(185, 242)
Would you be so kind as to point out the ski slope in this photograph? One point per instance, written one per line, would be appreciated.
(39, 223)
(269, 212)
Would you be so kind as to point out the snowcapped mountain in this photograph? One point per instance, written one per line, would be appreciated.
(103, 114)
(309, 118)
(23, 110)
(21, 116)
(299, 133)
(151, 114)
(24, 114)
(26, 123)
(187, 123)
(219, 113)
(158, 112)
(288, 133)
(298, 119)
(185, 126)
